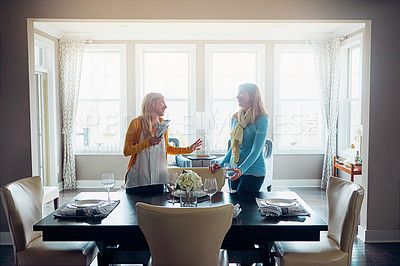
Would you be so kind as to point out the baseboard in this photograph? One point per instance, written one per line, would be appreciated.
(96, 183)
(378, 236)
(296, 182)
(5, 239)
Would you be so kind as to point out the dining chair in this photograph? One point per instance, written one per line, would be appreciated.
(203, 172)
(336, 245)
(180, 161)
(185, 236)
(51, 193)
(22, 202)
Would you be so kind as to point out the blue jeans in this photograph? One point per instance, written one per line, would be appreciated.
(248, 183)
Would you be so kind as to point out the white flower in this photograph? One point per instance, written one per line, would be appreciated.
(189, 180)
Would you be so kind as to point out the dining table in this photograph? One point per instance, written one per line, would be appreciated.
(120, 239)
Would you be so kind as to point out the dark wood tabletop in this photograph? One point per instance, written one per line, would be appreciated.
(121, 224)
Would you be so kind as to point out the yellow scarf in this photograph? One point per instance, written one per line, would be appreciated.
(237, 133)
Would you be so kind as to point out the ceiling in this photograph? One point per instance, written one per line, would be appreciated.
(197, 30)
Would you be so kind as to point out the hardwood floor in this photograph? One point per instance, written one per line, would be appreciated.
(363, 254)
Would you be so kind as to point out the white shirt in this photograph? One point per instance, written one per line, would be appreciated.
(150, 167)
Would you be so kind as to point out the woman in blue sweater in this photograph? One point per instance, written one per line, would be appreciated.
(250, 125)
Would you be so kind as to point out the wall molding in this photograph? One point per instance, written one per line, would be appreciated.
(296, 182)
(96, 183)
(5, 239)
(378, 236)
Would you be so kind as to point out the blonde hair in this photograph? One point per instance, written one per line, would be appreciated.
(147, 109)
(256, 101)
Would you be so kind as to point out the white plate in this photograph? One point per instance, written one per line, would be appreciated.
(281, 202)
(86, 203)
(200, 193)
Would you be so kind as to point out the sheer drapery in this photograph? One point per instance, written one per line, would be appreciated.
(70, 57)
(326, 54)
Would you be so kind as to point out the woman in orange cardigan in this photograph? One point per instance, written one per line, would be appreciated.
(147, 169)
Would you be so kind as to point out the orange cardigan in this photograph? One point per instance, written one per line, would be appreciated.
(132, 146)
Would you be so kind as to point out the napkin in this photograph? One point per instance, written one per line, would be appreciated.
(97, 211)
(273, 210)
(161, 128)
(236, 210)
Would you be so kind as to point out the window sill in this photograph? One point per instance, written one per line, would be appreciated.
(99, 153)
(298, 151)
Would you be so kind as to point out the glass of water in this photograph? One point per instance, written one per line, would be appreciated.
(108, 182)
(228, 172)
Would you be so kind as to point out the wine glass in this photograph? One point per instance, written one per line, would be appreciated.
(171, 183)
(228, 174)
(210, 186)
(108, 182)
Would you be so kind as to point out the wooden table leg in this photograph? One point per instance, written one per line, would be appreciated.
(352, 173)
(334, 168)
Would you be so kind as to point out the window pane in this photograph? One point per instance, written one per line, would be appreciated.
(353, 101)
(181, 122)
(355, 117)
(220, 127)
(355, 86)
(98, 113)
(297, 120)
(298, 79)
(224, 87)
(100, 75)
(167, 73)
(228, 69)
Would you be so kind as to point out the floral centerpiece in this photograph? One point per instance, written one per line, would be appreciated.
(189, 182)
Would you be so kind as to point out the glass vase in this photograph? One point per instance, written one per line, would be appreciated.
(188, 198)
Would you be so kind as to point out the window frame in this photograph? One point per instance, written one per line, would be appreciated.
(259, 49)
(122, 101)
(139, 50)
(277, 103)
(343, 141)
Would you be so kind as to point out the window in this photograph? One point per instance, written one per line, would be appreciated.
(170, 70)
(349, 121)
(353, 106)
(44, 126)
(101, 104)
(228, 66)
(297, 112)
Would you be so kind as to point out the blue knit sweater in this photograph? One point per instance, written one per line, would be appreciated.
(251, 160)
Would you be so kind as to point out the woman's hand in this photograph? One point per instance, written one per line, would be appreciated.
(196, 146)
(214, 167)
(155, 141)
(236, 173)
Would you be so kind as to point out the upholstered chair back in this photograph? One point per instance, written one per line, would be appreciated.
(203, 172)
(344, 201)
(184, 236)
(22, 201)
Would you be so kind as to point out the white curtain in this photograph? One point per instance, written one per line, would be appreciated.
(70, 57)
(326, 54)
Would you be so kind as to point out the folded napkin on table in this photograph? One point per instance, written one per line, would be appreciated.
(97, 211)
(236, 210)
(268, 209)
